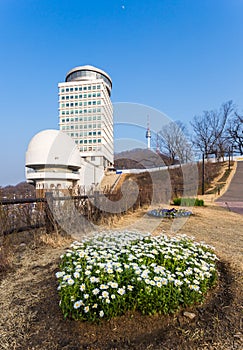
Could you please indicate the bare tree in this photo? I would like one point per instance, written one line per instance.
(172, 141)
(208, 129)
(235, 132)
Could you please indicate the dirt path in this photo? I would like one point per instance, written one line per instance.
(233, 197)
(31, 319)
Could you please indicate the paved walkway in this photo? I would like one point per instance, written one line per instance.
(233, 197)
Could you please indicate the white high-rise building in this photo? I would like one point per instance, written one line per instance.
(86, 113)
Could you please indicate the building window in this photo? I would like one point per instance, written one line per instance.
(92, 158)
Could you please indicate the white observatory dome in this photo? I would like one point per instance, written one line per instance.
(52, 147)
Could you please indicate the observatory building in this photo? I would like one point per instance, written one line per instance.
(52, 161)
(78, 154)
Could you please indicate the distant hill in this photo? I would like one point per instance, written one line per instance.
(21, 190)
(140, 158)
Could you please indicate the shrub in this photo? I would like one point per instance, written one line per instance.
(188, 202)
(114, 272)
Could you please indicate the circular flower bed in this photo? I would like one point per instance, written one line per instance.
(169, 213)
(114, 272)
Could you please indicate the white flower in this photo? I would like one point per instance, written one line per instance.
(59, 274)
(113, 296)
(95, 306)
(101, 313)
(105, 294)
(95, 291)
(129, 287)
(114, 285)
(103, 286)
(93, 279)
(76, 274)
(66, 277)
(77, 304)
(178, 283)
(121, 291)
(86, 309)
(194, 287)
(82, 287)
(70, 281)
(86, 296)
(164, 281)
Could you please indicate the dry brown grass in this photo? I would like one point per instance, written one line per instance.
(31, 319)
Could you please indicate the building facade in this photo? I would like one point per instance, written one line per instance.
(86, 114)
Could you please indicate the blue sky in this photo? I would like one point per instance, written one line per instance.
(177, 56)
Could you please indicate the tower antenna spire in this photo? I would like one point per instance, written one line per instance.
(148, 133)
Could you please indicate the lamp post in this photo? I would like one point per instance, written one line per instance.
(203, 171)
(229, 159)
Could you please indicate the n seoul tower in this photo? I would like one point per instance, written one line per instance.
(148, 134)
